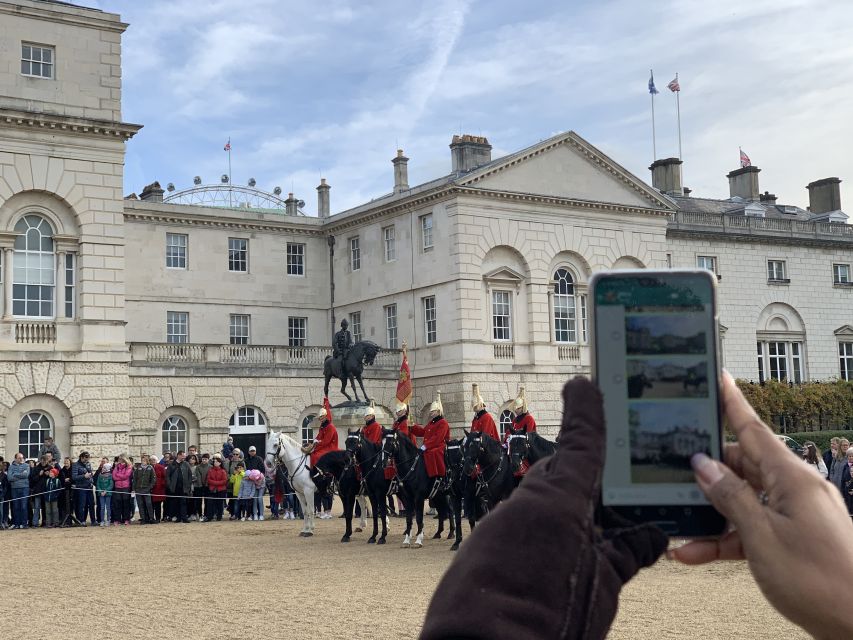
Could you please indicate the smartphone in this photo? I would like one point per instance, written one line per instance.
(656, 362)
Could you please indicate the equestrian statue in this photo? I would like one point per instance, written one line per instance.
(347, 362)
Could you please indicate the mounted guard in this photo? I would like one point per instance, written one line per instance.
(326, 440)
(483, 421)
(435, 436)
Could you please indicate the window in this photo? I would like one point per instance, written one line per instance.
(506, 420)
(174, 434)
(238, 255)
(776, 271)
(391, 325)
(177, 327)
(295, 259)
(669, 261)
(32, 430)
(389, 237)
(778, 360)
(354, 254)
(247, 420)
(501, 315)
(307, 430)
(34, 270)
(426, 232)
(297, 332)
(355, 325)
(69, 285)
(238, 331)
(582, 301)
(36, 61)
(707, 262)
(430, 328)
(176, 251)
(841, 274)
(565, 321)
(845, 354)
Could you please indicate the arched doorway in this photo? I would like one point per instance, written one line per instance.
(249, 427)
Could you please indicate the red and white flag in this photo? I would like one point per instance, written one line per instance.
(228, 145)
(673, 85)
(744, 160)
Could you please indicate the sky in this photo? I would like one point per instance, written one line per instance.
(332, 89)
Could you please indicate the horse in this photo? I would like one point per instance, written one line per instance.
(527, 447)
(488, 465)
(454, 459)
(360, 354)
(342, 467)
(368, 456)
(284, 448)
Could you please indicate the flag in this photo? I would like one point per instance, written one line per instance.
(744, 160)
(673, 85)
(228, 145)
(652, 89)
(328, 407)
(404, 384)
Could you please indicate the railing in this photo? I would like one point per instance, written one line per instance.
(246, 354)
(504, 351)
(568, 352)
(35, 333)
(176, 353)
(741, 224)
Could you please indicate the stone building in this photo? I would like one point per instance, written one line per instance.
(172, 318)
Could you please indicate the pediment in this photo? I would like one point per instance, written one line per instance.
(504, 275)
(845, 330)
(566, 166)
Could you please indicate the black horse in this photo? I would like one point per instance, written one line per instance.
(369, 457)
(342, 467)
(362, 353)
(454, 460)
(528, 447)
(488, 467)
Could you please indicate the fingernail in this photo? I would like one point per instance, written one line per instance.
(706, 469)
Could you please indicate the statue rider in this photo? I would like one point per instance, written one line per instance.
(341, 344)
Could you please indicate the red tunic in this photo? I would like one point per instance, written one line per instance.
(523, 421)
(373, 431)
(484, 423)
(402, 426)
(435, 435)
(327, 440)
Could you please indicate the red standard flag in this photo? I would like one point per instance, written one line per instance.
(744, 160)
(673, 85)
(404, 384)
(328, 407)
(228, 145)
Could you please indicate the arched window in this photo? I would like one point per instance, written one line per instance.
(34, 428)
(307, 429)
(34, 273)
(506, 420)
(174, 434)
(247, 420)
(565, 311)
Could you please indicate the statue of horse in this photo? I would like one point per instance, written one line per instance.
(360, 355)
(526, 449)
(488, 467)
(289, 452)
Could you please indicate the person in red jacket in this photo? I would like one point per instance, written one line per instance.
(401, 426)
(435, 436)
(158, 493)
(523, 420)
(217, 481)
(372, 430)
(483, 421)
(325, 441)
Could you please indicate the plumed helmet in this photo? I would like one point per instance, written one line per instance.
(371, 410)
(436, 404)
(521, 401)
(326, 411)
(401, 406)
(477, 401)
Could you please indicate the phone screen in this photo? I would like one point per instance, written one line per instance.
(656, 365)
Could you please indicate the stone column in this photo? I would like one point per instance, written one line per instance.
(8, 255)
(59, 285)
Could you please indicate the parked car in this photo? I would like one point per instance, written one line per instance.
(795, 447)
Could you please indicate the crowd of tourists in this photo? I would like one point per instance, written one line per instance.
(181, 486)
(836, 465)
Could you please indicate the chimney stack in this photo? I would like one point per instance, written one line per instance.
(152, 192)
(824, 195)
(767, 198)
(401, 172)
(743, 183)
(323, 203)
(666, 176)
(469, 152)
(290, 205)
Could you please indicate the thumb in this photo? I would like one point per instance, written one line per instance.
(633, 548)
(730, 494)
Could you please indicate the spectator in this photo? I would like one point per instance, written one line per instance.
(203, 468)
(95, 476)
(19, 483)
(104, 486)
(829, 455)
(193, 502)
(81, 478)
(122, 480)
(260, 482)
(254, 461)
(158, 493)
(217, 482)
(192, 451)
(51, 502)
(144, 479)
(66, 498)
(51, 448)
(228, 448)
(839, 463)
(4, 494)
(245, 496)
(234, 482)
(847, 481)
(812, 457)
(38, 486)
(180, 484)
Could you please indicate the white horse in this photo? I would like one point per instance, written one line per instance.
(289, 451)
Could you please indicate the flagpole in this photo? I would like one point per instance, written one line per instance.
(229, 172)
(654, 135)
(678, 112)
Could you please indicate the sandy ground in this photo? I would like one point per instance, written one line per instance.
(260, 580)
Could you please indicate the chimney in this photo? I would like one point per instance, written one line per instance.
(666, 176)
(767, 198)
(290, 205)
(323, 204)
(824, 195)
(401, 172)
(743, 183)
(469, 152)
(152, 193)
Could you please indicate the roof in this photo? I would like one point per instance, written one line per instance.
(736, 206)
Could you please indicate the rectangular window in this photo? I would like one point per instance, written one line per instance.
(778, 360)
(177, 327)
(391, 325)
(238, 255)
(776, 271)
(781, 361)
(430, 322)
(845, 354)
(707, 262)
(389, 238)
(796, 363)
(501, 315)
(295, 259)
(297, 332)
(582, 301)
(354, 254)
(176, 251)
(841, 274)
(33, 280)
(669, 261)
(238, 329)
(355, 325)
(37, 60)
(426, 232)
(565, 317)
(69, 285)
(760, 362)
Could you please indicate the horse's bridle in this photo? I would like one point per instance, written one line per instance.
(526, 439)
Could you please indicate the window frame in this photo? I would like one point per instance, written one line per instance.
(294, 340)
(34, 260)
(836, 279)
(355, 324)
(785, 364)
(171, 321)
(394, 341)
(427, 233)
(43, 433)
(845, 360)
(248, 419)
(307, 421)
(700, 260)
(354, 253)
(235, 339)
(496, 293)
(31, 60)
(70, 287)
(174, 444)
(185, 247)
(389, 243)
(565, 302)
(430, 319)
(294, 250)
(773, 276)
(235, 260)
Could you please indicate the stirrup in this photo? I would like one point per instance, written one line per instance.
(393, 488)
(435, 487)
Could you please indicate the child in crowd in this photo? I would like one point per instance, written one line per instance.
(228, 448)
(234, 483)
(53, 486)
(217, 481)
(104, 486)
(245, 495)
(257, 507)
